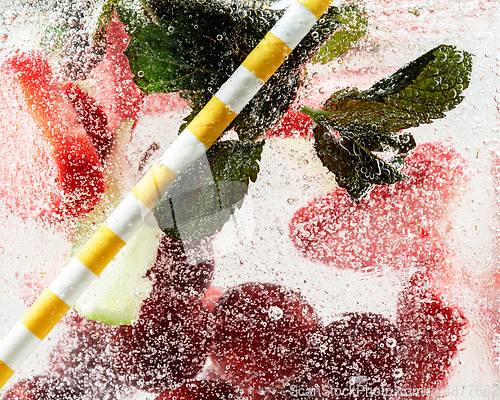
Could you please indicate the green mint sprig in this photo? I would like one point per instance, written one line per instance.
(205, 196)
(355, 125)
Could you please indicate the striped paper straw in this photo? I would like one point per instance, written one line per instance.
(191, 144)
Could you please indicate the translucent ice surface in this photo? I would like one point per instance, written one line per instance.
(258, 245)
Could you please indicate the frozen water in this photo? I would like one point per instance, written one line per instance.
(256, 246)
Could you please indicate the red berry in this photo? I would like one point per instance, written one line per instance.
(80, 358)
(432, 331)
(93, 119)
(293, 124)
(173, 268)
(396, 226)
(201, 390)
(296, 389)
(210, 297)
(42, 388)
(360, 355)
(48, 165)
(262, 334)
(168, 344)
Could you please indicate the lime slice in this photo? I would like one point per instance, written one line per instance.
(116, 296)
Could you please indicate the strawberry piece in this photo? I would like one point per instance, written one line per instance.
(293, 124)
(262, 334)
(48, 166)
(201, 390)
(93, 119)
(167, 345)
(113, 87)
(160, 103)
(432, 331)
(359, 356)
(396, 226)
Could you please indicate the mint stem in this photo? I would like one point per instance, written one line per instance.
(316, 115)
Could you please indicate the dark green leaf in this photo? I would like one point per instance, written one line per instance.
(369, 122)
(354, 26)
(203, 198)
(414, 95)
(172, 57)
(356, 167)
(195, 48)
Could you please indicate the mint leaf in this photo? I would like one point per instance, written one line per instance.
(202, 199)
(356, 166)
(196, 46)
(369, 121)
(414, 95)
(354, 26)
(237, 10)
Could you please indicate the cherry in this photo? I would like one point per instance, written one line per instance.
(80, 358)
(42, 388)
(201, 390)
(432, 332)
(361, 354)
(262, 334)
(174, 269)
(168, 344)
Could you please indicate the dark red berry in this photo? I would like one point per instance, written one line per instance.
(42, 388)
(262, 334)
(201, 390)
(183, 266)
(168, 344)
(359, 356)
(432, 332)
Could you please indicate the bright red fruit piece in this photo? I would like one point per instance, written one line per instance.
(93, 119)
(432, 332)
(113, 87)
(395, 226)
(201, 390)
(262, 334)
(293, 124)
(48, 165)
(168, 344)
(361, 355)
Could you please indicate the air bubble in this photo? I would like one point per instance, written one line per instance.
(391, 343)
(398, 373)
(140, 74)
(275, 313)
(459, 57)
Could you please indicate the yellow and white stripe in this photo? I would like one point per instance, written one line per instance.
(136, 208)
